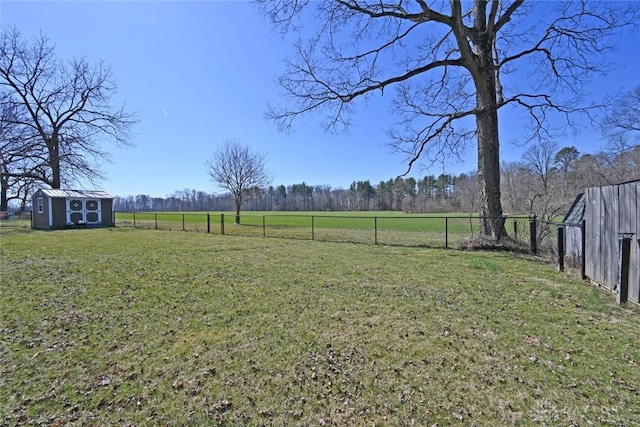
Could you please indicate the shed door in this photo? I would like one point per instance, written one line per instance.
(84, 210)
(92, 211)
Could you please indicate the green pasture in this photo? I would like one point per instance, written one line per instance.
(135, 327)
(396, 228)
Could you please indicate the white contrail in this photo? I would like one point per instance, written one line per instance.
(163, 110)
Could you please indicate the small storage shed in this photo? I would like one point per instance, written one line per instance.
(56, 209)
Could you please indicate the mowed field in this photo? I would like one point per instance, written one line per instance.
(352, 219)
(136, 327)
(391, 228)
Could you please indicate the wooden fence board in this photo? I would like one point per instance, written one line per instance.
(630, 222)
(612, 225)
(589, 235)
(590, 238)
(635, 260)
(594, 251)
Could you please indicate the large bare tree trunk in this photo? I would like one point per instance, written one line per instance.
(54, 161)
(491, 222)
(487, 94)
(3, 197)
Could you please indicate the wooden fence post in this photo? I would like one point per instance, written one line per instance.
(222, 224)
(375, 230)
(560, 228)
(533, 234)
(446, 232)
(623, 291)
(583, 269)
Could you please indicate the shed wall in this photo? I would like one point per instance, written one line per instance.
(40, 219)
(107, 213)
(59, 213)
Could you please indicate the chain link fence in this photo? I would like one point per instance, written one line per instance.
(418, 231)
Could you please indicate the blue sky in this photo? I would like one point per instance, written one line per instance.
(198, 72)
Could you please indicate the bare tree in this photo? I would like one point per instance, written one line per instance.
(621, 159)
(65, 105)
(565, 160)
(237, 169)
(515, 183)
(621, 126)
(452, 65)
(16, 148)
(467, 192)
(623, 121)
(592, 170)
(546, 200)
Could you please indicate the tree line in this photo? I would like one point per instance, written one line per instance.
(544, 182)
(401, 194)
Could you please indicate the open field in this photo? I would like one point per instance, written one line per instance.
(124, 326)
(390, 228)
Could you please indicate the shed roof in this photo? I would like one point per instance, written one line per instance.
(576, 213)
(88, 194)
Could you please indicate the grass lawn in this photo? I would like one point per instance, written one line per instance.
(124, 326)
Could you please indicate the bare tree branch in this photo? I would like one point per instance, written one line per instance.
(623, 119)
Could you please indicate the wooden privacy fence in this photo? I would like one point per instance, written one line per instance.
(601, 236)
(612, 250)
